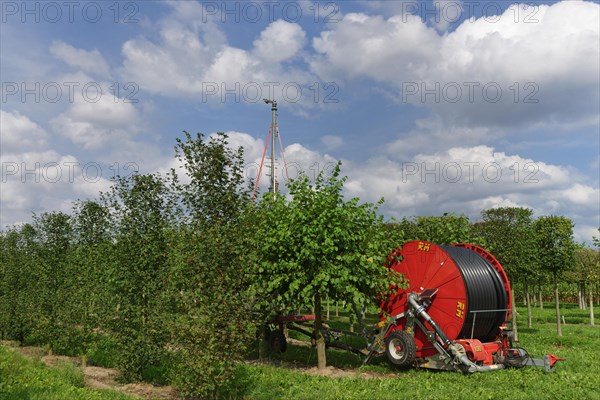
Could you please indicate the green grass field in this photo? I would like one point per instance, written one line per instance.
(576, 378)
(283, 378)
(29, 379)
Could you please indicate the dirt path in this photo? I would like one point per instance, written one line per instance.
(329, 371)
(105, 378)
(97, 377)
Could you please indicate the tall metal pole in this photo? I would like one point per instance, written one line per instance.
(273, 134)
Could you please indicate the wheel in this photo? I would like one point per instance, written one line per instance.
(400, 349)
(277, 342)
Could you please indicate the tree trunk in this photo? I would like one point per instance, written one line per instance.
(541, 299)
(529, 316)
(327, 308)
(591, 307)
(318, 332)
(337, 309)
(558, 326)
(514, 317)
(262, 344)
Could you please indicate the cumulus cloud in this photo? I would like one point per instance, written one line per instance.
(199, 61)
(89, 61)
(332, 141)
(470, 179)
(460, 179)
(502, 72)
(98, 119)
(19, 132)
(36, 177)
(279, 42)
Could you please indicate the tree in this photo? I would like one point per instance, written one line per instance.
(586, 271)
(443, 230)
(554, 235)
(53, 284)
(216, 172)
(91, 262)
(139, 209)
(509, 233)
(210, 250)
(18, 294)
(317, 244)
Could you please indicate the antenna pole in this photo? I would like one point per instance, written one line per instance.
(273, 134)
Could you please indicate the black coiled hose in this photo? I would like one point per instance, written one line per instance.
(485, 291)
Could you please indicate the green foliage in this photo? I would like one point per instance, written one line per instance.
(318, 244)
(216, 174)
(445, 229)
(509, 233)
(211, 322)
(209, 301)
(139, 208)
(18, 300)
(150, 279)
(554, 236)
(54, 236)
(586, 266)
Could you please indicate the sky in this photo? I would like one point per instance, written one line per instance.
(436, 106)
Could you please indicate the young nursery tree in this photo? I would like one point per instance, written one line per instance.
(509, 232)
(554, 236)
(210, 247)
(139, 209)
(317, 244)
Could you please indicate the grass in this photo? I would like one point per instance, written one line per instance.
(26, 379)
(576, 378)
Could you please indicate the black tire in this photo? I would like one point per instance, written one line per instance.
(400, 349)
(277, 342)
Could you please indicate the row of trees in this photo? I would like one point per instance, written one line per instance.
(180, 270)
(155, 267)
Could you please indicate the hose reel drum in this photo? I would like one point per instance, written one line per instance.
(453, 314)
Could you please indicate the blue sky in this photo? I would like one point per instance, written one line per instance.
(438, 106)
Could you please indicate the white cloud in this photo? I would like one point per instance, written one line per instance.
(279, 42)
(19, 132)
(460, 179)
(332, 141)
(98, 120)
(447, 12)
(582, 195)
(468, 76)
(470, 179)
(38, 178)
(199, 62)
(88, 61)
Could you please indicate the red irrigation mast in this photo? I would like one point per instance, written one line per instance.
(271, 137)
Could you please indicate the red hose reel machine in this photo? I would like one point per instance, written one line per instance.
(454, 313)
